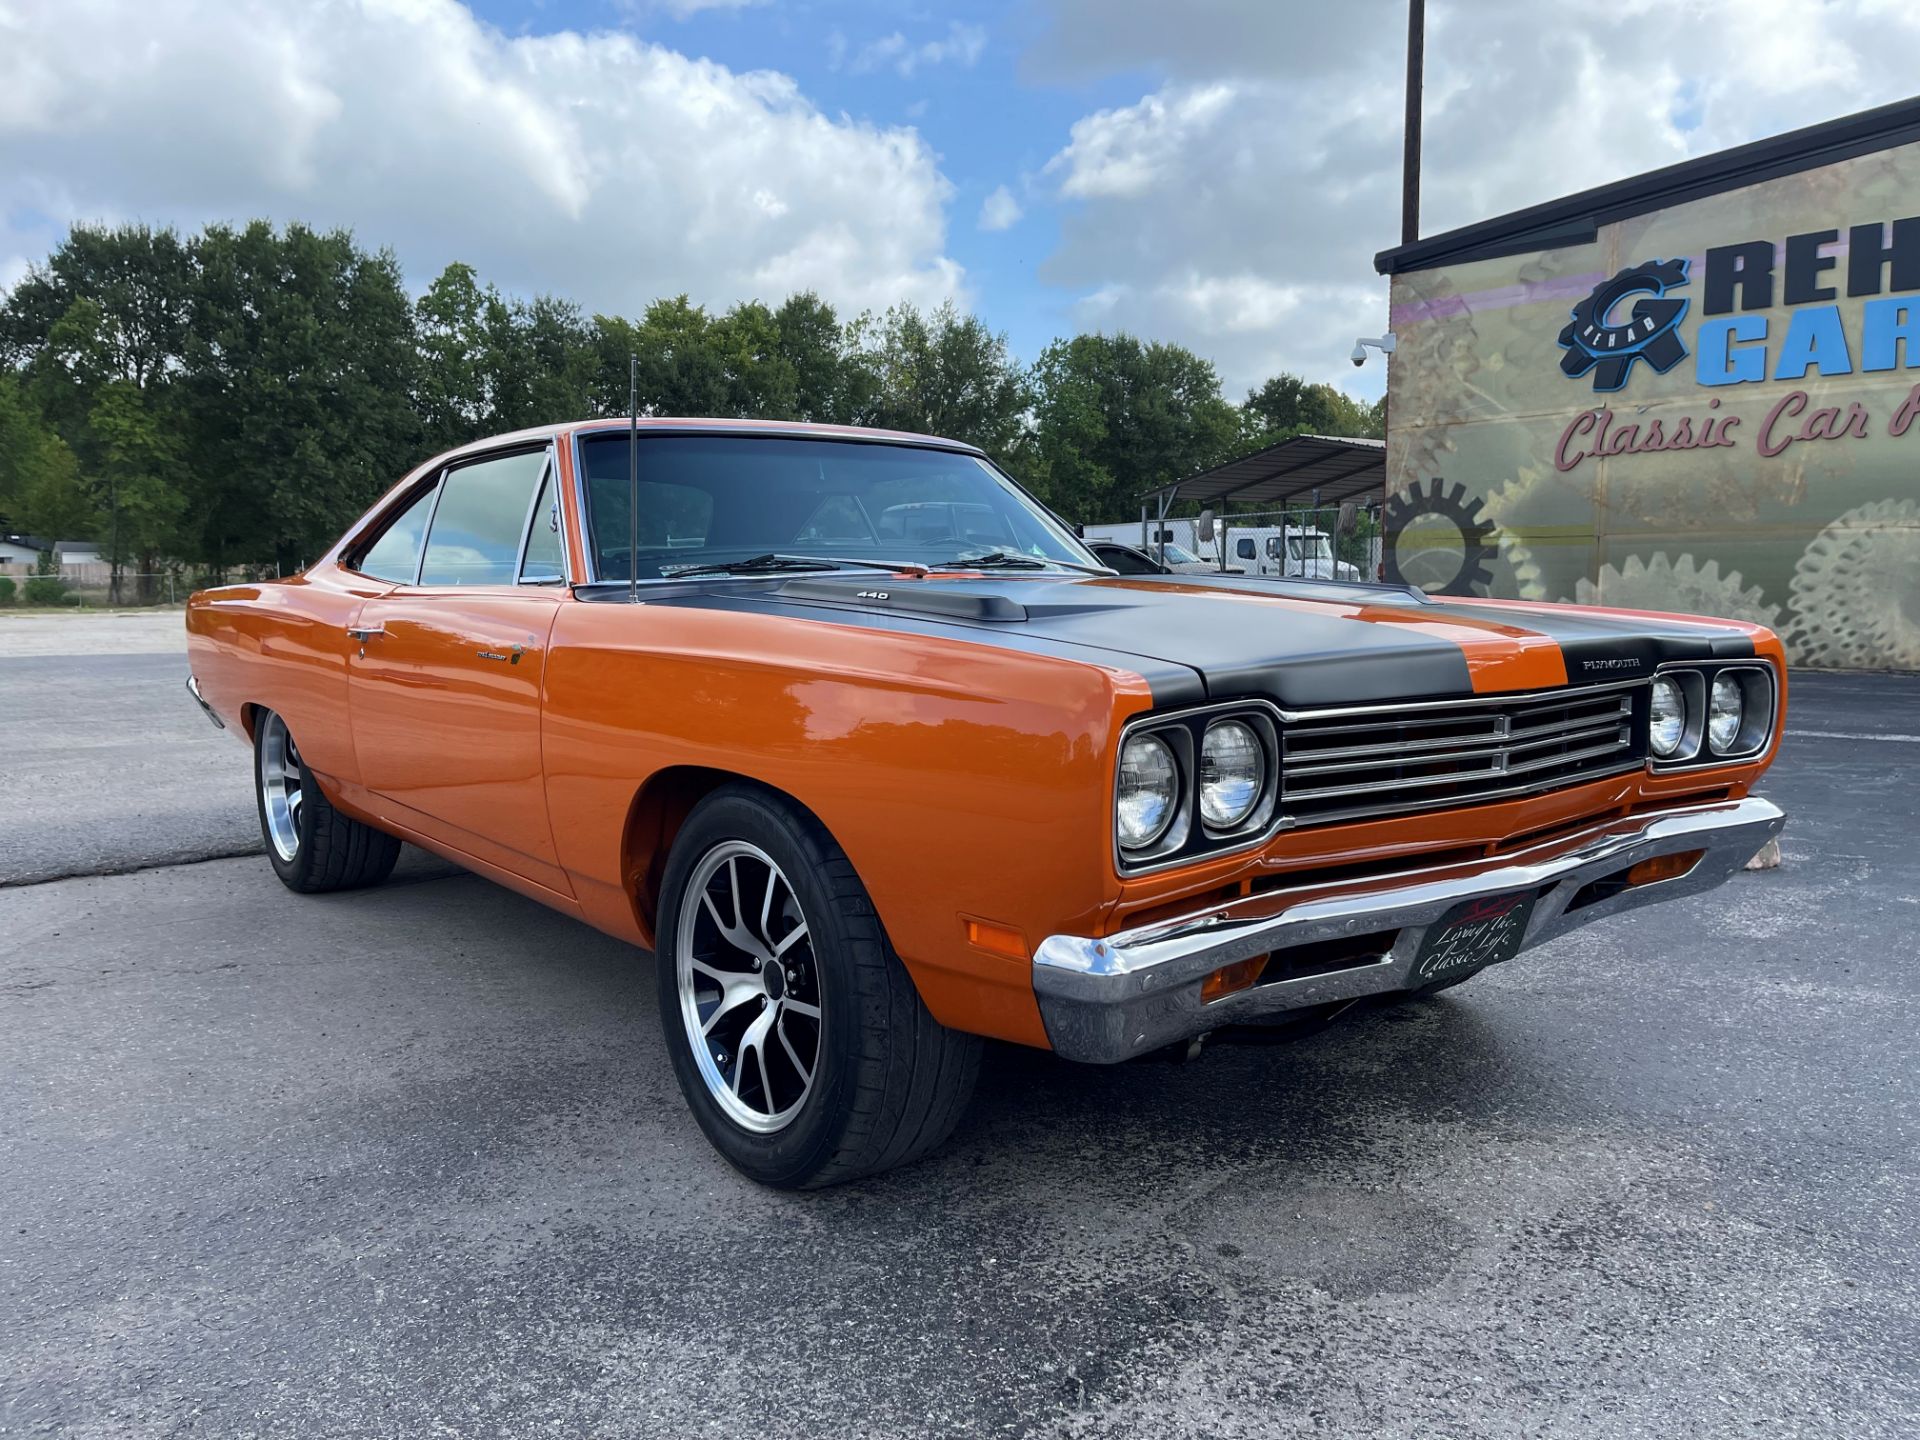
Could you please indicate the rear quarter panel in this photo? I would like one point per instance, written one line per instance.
(282, 644)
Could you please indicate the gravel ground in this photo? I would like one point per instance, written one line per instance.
(411, 1161)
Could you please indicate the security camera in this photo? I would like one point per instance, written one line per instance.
(1385, 344)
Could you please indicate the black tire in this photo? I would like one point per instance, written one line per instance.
(330, 851)
(890, 1082)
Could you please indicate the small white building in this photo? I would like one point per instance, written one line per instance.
(17, 559)
(77, 554)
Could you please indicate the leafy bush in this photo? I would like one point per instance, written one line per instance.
(7, 587)
(46, 590)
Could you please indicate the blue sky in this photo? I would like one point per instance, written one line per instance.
(988, 126)
(1213, 172)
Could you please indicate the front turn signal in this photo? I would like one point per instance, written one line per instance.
(1663, 867)
(1229, 978)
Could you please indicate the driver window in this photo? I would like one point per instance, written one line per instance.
(543, 563)
(475, 538)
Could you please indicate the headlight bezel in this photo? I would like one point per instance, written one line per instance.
(1760, 692)
(1189, 838)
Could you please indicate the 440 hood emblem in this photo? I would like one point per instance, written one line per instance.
(1598, 340)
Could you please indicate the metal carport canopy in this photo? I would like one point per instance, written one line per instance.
(1339, 468)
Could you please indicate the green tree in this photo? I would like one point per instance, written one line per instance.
(299, 374)
(1114, 417)
(454, 398)
(831, 385)
(941, 373)
(1285, 405)
(40, 489)
(137, 483)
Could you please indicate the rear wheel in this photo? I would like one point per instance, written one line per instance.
(796, 1034)
(311, 846)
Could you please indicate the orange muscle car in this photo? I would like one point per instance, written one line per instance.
(878, 760)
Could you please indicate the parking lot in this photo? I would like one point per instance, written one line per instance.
(411, 1161)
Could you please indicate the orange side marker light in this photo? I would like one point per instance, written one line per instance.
(1229, 978)
(1663, 867)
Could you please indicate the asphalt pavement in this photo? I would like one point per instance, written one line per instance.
(411, 1161)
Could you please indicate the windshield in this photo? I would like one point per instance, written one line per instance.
(712, 499)
(1177, 555)
(1308, 547)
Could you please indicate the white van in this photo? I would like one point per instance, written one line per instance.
(1286, 550)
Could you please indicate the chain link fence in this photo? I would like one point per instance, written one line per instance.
(1330, 543)
(91, 585)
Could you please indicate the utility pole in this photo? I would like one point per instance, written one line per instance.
(1410, 164)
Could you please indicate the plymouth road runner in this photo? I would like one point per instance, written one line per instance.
(878, 760)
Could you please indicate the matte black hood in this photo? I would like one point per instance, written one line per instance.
(1299, 643)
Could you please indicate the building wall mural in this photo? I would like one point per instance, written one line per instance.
(1712, 409)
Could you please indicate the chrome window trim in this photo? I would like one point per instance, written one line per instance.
(426, 533)
(1702, 758)
(467, 462)
(549, 473)
(392, 513)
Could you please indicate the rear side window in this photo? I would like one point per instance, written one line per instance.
(476, 532)
(395, 556)
(1245, 549)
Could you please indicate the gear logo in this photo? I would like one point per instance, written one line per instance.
(1598, 340)
(1438, 540)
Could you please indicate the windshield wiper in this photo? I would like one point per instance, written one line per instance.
(759, 564)
(1014, 560)
(772, 564)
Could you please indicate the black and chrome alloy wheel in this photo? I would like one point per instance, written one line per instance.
(795, 1032)
(749, 988)
(311, 846)
(282, 786)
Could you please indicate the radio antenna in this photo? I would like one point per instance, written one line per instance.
(633, 479)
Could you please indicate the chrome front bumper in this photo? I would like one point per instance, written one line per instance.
(1126, 994)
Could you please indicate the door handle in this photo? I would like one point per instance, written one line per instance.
(364, 633)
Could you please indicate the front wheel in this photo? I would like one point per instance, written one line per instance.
(796, 1034)
(311, 846)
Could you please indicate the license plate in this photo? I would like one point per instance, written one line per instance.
(1472, 934)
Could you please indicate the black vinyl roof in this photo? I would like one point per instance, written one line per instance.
(1340, 468)
(1577, 219)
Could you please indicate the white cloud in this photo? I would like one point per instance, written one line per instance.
(681, 9)
(963, 46)
(1000, 211)
(597, 166)
(1123, 154)
(1237, 207)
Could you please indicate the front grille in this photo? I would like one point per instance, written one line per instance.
(1392, 759)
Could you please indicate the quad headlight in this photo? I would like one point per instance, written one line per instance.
(1195, 783)
(1668, 724)
(1708, 714)
(1148, 795)
(1233, 774)
(1726, 712)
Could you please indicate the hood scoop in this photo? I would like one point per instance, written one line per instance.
(958, 601)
